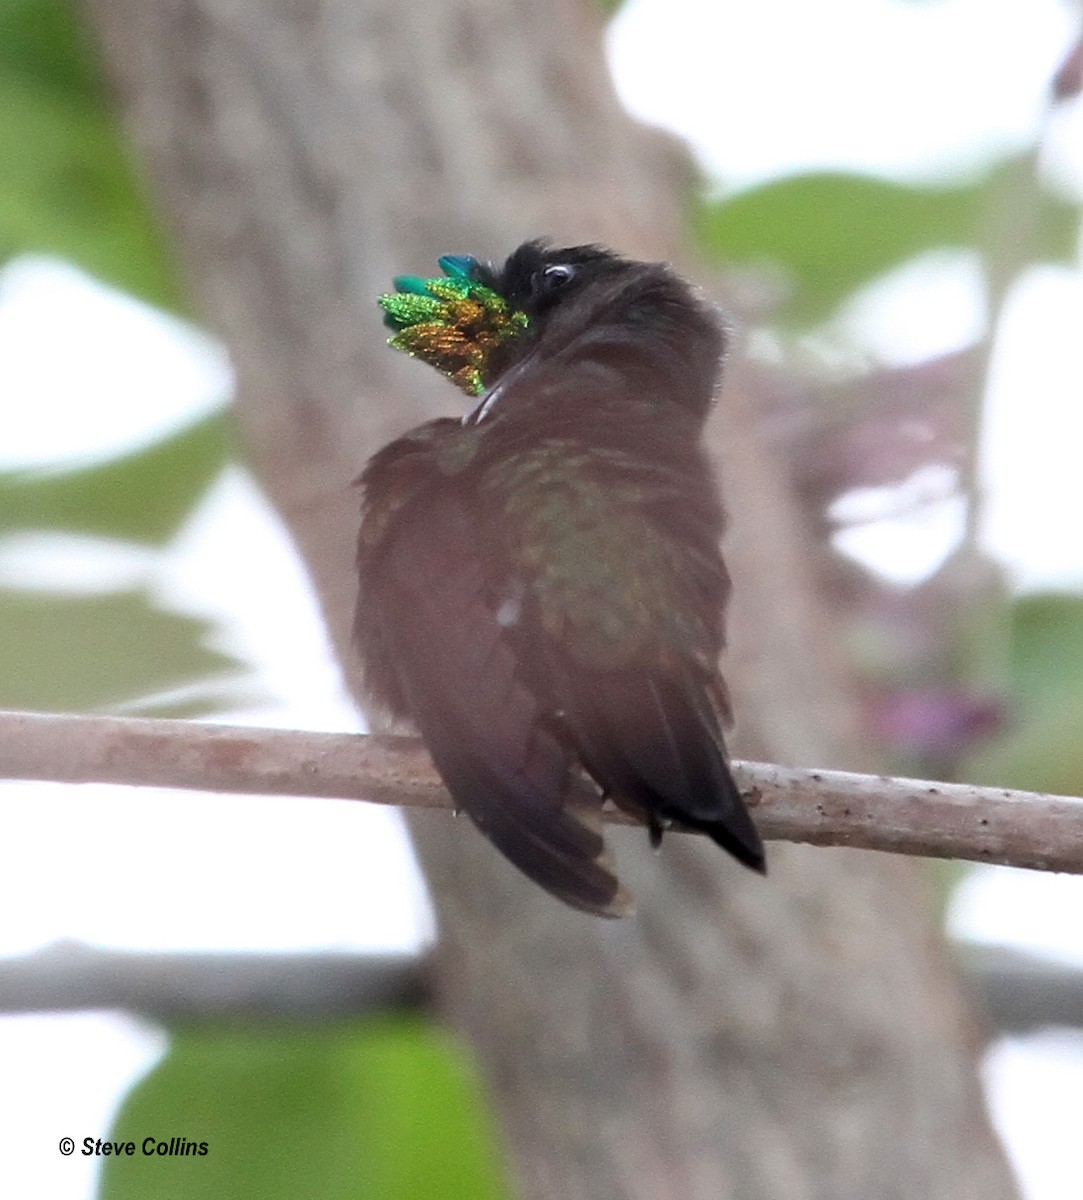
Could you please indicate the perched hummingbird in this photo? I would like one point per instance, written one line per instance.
(542, 588)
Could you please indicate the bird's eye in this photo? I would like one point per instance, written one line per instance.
(555, 277)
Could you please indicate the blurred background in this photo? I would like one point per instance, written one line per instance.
(903, 253)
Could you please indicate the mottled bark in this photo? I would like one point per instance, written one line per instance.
(799, 1037)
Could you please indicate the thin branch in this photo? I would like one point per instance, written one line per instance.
(315, 986)
(1020, 992)
(829, 808)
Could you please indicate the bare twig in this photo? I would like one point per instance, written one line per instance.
(313, 986)
(1019, 991)
(830, 808)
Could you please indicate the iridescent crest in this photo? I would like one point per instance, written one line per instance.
(453, 323)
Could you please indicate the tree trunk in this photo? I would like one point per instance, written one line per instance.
(795, 1037)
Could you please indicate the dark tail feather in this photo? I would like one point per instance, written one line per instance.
(580, 874)
(654, 744)
(736, 832)
(513, 781)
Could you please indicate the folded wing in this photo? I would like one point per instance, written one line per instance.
(428, 603)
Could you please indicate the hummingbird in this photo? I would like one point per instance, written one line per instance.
(541, 583)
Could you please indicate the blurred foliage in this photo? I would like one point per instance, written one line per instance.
(1042, 749)
(67, 653)
(68, 186)
(61, 651)
(143, 496)
(383, 1110)
(833, 233)
(41, 41)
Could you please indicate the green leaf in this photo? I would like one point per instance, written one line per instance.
(142, 497)
(1042, 749)
(63, 653)
(68, 186)
(385, 1110)
(834, 232)
(1046, 647)
(43, 40)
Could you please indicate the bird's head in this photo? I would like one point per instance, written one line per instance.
(477, 320)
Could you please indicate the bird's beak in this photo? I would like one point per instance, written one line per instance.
(480, 411)
(489, 399)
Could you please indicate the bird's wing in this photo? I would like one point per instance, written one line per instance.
(429, 598)
(624, 586)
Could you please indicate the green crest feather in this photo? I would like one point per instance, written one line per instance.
(453, 323)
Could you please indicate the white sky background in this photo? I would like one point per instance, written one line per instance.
(918, 89)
